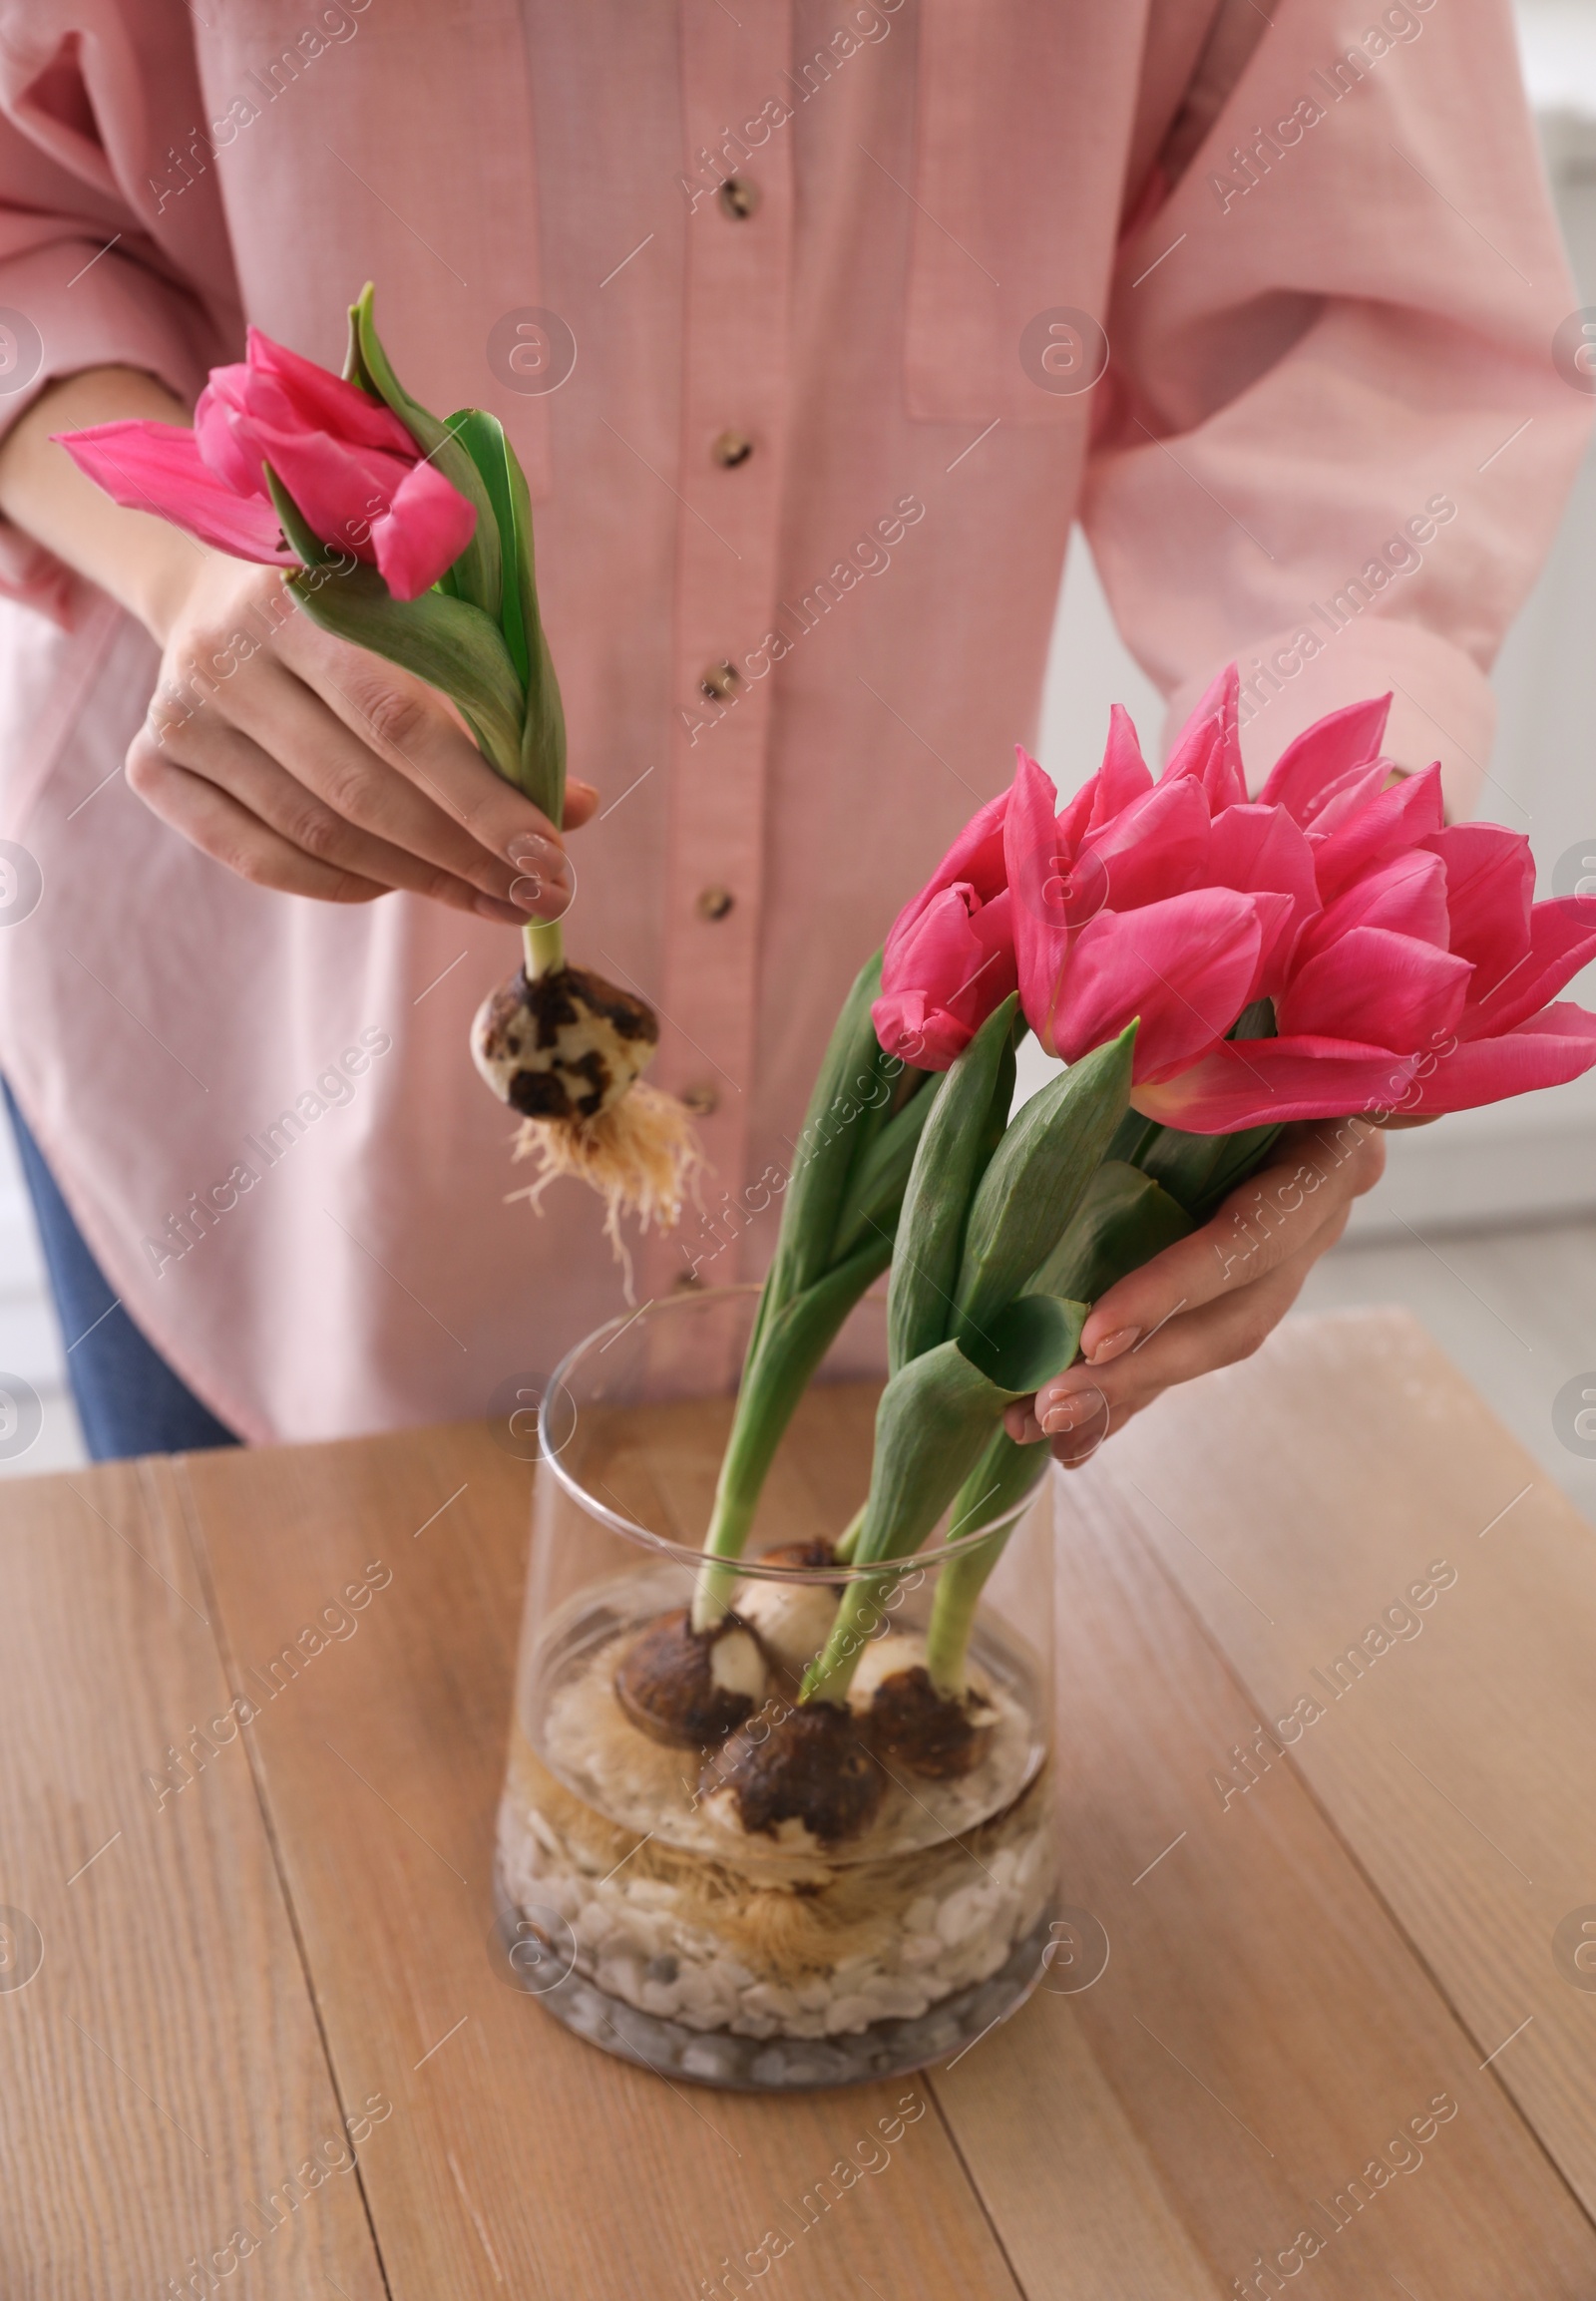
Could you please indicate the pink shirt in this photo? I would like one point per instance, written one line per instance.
(1332, 441)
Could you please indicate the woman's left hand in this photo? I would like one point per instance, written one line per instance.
(1210, 1298)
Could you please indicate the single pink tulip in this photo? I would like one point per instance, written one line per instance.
(356, 474)
(948, 959)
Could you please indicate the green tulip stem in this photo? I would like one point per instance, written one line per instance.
(545, 947)
(952, 1612)
(860, 1617)
(848, 1540)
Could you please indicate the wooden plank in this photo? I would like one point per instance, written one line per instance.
(1294, 1499)
(518, 2158)
(1265, 2027)
(1067, 2180)
(162, 2078)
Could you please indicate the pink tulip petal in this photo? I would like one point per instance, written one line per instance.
(1208, 747)
(1124, 775)
(1490, 884)
(1549, 1049)
(157, 468)
(1184, 967)
(1156, 847)
(1406, 897)
(1257, 848)
(976, 857)
(340, 490)
(946, 973)
(1324, 753)
(1277, 931)
(323, 400)
(1273, 1081)
(1401, 818)
(215, 428)
(1562, 940)
(1348, 796)
(1034, 856)
(1375, 987)
(425, 529)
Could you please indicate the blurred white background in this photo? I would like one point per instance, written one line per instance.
(1486, 1224)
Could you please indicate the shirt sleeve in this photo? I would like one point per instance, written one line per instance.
(109, 255)
(1339, 421)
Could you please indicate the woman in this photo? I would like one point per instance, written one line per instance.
(800, 318)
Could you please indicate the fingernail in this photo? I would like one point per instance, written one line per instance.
(531, 851)
(1115, 1344)
(545, 881)
(1068, 1414)
(574, 786)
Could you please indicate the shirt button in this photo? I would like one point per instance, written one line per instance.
(714, 902)
(718, 681)
(739, 196)
(731, 449)
(702, 1101)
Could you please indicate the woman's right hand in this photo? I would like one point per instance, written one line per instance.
(298, 760)
(310, 765)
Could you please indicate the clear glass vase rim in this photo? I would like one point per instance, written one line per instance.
(939, 1555)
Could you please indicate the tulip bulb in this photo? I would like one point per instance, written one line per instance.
(567, 1049)
(565, 1045)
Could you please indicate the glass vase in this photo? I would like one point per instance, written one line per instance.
(649, 1892)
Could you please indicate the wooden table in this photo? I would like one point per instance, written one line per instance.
(298, 1936)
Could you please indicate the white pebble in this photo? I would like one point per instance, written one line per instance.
(622, 1977)
(921, 1949)
(770, 1998)
(961, 1913)
(899, 2000)
(851, 2013)
(594, 1921)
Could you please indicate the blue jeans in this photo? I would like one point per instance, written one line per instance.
(129, 1399)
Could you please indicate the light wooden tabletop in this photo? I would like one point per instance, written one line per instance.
(206, 1989)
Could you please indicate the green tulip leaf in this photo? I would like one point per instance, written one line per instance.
(849, 1094)
(477, 571)
(1124, 1219)
(454, 648)
(878, 1178)
(1028, 1342)
(956, 1144)
(483, 438)
(1037, 1177)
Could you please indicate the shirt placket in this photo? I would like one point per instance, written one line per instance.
(737, 176)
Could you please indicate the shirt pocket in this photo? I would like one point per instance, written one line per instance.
(1023, 125)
